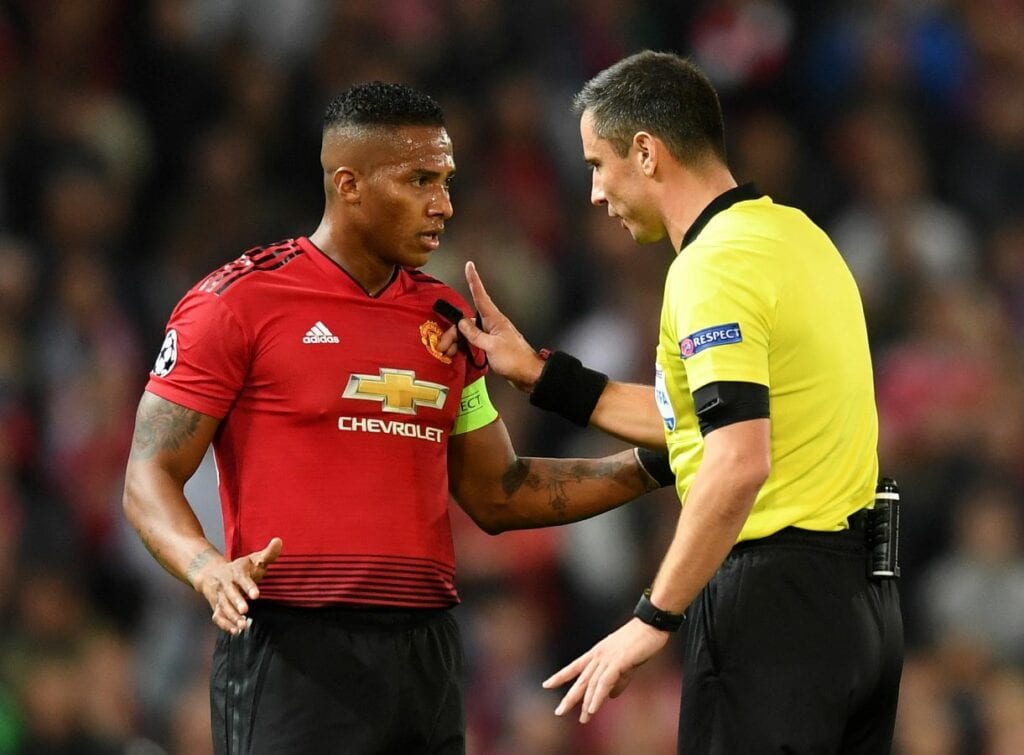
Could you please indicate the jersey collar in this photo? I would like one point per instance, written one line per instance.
(723, 201)
(336, 272)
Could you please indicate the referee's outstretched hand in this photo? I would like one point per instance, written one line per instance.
(606, 669)
(508, 353)
(227, 585)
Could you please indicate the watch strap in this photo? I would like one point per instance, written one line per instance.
(650, 614)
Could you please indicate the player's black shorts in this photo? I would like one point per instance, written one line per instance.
(791, 648)
(312, 681)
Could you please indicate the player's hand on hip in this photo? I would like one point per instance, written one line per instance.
(229, 585)
(606, 669)
(508, 352)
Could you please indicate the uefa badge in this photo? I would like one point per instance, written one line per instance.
(717, 335)
(168, 356)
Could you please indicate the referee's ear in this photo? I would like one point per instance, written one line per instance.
(648, 150)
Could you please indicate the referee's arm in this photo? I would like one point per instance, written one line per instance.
(628, 411)
(735, 464)
(624, 410)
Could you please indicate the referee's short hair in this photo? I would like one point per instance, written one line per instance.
(661, 93)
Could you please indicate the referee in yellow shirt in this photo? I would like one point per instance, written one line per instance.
(762, 415)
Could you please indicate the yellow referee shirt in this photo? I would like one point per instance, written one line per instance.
(759, 294)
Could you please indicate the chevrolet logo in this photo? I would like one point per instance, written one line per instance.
(398, 390)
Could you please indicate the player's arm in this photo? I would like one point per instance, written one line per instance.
(168, 444)
(503, 491)
(624, 410)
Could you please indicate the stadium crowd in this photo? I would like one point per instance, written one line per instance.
(143, 144)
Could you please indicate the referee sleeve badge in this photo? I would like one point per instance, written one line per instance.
(716, 335)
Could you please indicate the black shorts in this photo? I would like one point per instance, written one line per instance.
(792, 648)
(339, 681)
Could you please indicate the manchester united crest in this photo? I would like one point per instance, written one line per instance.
(430, 332)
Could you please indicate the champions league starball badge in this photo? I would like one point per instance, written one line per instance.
(168, 356)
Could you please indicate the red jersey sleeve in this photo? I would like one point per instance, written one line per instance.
(204, 358)
(476, 364)
(473, 371)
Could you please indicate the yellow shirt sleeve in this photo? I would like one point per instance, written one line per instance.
(723, 317)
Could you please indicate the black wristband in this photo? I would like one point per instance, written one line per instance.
(567, 387)
(656, 465)
(649, 613)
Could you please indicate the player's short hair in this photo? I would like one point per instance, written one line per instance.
(657, 92)
(380, 103)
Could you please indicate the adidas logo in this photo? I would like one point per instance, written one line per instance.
(320, 333)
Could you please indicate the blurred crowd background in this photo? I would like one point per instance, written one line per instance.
(143, 144)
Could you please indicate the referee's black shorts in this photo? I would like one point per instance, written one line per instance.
(791, 648)
(341, 681)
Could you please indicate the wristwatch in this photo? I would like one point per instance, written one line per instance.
(649, 613)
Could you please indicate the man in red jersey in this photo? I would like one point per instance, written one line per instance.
(340, 427)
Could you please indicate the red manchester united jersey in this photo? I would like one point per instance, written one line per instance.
(336, 412)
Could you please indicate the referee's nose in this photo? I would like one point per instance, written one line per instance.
(597, 197)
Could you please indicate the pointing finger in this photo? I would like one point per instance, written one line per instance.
(481, 299)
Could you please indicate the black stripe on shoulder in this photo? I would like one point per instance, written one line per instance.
(259, 258)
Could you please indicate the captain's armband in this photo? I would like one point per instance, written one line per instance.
(475, 408)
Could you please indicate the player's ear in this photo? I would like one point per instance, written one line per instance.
(347, 184)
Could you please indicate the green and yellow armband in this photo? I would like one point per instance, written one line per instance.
(475, 408)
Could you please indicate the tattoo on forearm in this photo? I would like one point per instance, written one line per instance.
(198, 563)
(518, 475)
(557, 477)
(162, 426)
(515, 476)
